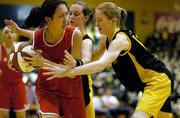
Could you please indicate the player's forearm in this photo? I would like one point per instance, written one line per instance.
(24, 32)
(89, 68)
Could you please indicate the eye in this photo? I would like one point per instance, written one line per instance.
(76, 13)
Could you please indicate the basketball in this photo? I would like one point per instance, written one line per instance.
(16, 57)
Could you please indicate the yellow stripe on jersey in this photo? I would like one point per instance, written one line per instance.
(138, 41)
(122, 33)
(145, 74)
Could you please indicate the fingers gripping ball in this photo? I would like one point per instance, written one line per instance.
(16, 57)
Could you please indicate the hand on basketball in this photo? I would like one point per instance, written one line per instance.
(34, 59)
(69, 60)
(12, 25)
(11, 66)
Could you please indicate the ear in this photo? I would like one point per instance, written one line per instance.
(86, 18)
(47, 19)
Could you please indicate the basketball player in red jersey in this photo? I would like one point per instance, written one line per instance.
(62, 95)
(12, 89)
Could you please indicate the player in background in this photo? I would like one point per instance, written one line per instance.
(79, 10)
(12, 88)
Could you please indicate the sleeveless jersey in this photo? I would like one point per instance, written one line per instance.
(64, 86)
(136, 66)
(9, 76)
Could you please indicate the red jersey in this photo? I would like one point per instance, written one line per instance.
(64, 86)
(9, 76)
(12, 89)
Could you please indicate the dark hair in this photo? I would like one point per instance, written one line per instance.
(37, 14)
(86, 11)
(34, 18)
(123, 17)
(111, 10)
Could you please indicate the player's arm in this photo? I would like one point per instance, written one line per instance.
(70, 59)
(100, 48)
(109, 56)
(15, 28)
(76, 50)
(86, 54)
(86, 50)
(38, 60)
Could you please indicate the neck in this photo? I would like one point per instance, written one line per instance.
(53, 35)
(81, 28)
(112, 33)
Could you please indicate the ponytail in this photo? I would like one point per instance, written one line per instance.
(35, 18)
(122, 18)
(37, 15)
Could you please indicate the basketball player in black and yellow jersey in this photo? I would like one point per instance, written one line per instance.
(135, 66)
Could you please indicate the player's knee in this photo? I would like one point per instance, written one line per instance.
(140, 114)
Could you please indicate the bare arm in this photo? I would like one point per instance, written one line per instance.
(77, 45)
(86, 50)
(70, 59)
(109, 56)
(15, 28)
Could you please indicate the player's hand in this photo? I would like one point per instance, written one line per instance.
(10, 66)
(55, 71)
(35, 59)
(69, 60)
(12, 25)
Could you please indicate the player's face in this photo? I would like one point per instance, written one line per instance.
(59, 18)
(102, 22)
(9, 36)
(76, 17)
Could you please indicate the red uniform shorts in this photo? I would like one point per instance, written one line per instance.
(58, 105)
(13, 96)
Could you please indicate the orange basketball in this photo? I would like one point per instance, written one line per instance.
(16, 57)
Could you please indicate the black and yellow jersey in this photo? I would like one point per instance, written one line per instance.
(86, 80)
(86, 36)
(136, 66)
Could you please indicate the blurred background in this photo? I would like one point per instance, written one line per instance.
(157, 24)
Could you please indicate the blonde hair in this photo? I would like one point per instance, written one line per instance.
(4, 29)
(111, 10)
